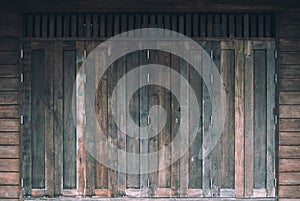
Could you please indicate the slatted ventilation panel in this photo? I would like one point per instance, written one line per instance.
(105, 25)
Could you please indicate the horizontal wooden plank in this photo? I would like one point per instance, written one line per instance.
(289, 178)
(8, 44)
(289, 191)
(9, 84)
(289, 58)
(289, 98)
(9, 191)
(9, 165)
(9, 30)
(9, 71)
(289, 165)
(287, 199)
(289, 71)
(293, 31)
(289, 151)
(292, 85)
(9, 111)
(289, 44)
(289, 18)
(9, 178)
(289, 125)
(9, 138)
(9, 57)
(289, 138)
(9, 152)
(9, 124)
(9, 17)
(285, 111)
(9, 98)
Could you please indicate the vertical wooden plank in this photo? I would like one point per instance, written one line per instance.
(206, 117)
(239, 25)
(109, 25)
(217, 26)
(203, 27)
(116, 24)
(51, 32)
(209, 25)
(246, 25)
(73, 25)
(59, 26)
(227, 138)
(239, 120)
(121, 139)
(175, 84)
(260, 121)
(80, 127)
(167, 23)
(58, 118)
(195, 156)
(131, 22)
(81, 25)
(132, 145)
(232, 26)
(26, 129)
(38, 118)
(153, 141)
(224, 25)
(253, 26)
(123, 23)
(88, 22)
(268, 25)
(30, 25)
(102, 25)
(37, 25)
(174, 22)
(184, 100)
(196, 24)
(270, 123)
(181, 23)
(261, 25)
(249, 124)
(101, 171)
(49, 147)
(69, 129)
(66, 26)
(95, 25)
(45, 27)
(112, 131)
(188, 25)
(144, 111)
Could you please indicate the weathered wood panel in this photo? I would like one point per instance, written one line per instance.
(289, 111)
(9, 57)
(9, 138)
(289, 44)
(289, 98)
(292, 178)
(289, 85)
(9, 151)
(9, 178)
(9, 111)
(7, 98)
(9, 71)
(289, 71)
(9, 165)
(9, 30)
(289, 58)
(9, 44)
(289, 191)
(9, 84)
(289, 165)
(293, 32)
(289, 138)
(289, 124)
(289, 151)
(9, 124)
(9, 191)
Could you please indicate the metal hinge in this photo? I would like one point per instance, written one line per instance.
(84, 78)
(148, 54)
(148, 119)
(148, 77)
(275, 54)
(275, 182)
(22, 78)
(22, 119)
(84, 54)
(275, 119)
(84, 120)
(148, 182)
(22, 183)
(211, 54)
(211, 120)
(211, 78)
(22, 53)
(276, 78)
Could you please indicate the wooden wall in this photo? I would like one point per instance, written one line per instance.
(9, 107)
(289, 106)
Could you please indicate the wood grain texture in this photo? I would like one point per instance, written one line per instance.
(9, 138)
(9, 125)
(289, 178)
(289, 85)
(289, 151)
(289, 125)
(9, 71)
(8, 178)
(289, 165)
(9, 98)
(289, 111)
(289, 138)
(9, 192)
(9, 84)
(9, 152)
(289, 98)
(289, 191)
(9, 165)
(289, 71)
(289, 44)
(11, 111)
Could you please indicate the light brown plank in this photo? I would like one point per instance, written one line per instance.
(289, 191)
(289, 125)
(289, 138)
(9, 178)
(289, 165)
(11, 111)
(292, 178)
(9, 165)
(8, 98)
(289, 85)
(289, 111)
(289, 151)
(9, 152)
(9, 191)
(9, 125)
(9, 138)
(289, 98)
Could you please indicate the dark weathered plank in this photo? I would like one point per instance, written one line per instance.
(260, 25)
(202, 25)
(44, 25)
(102, 25)
(9, 71)
(289, 191)
(289, 72)
(37, 26)
(9, 84)
(239, 25)
(246, 25)
(9, 30)
(88, 31)
(289, 151)
(289, 125)
(110, 25)
(9, 151)
(289, 165)
(9, 138)
(260, 120)
(59, 26)
(289, 178)
(9, 165)
(9, 178)
(51, 28)
(8, 44)
(9, 57)
(69, 130)
(66, 26)
(289, 44)
(227, 140)
(254, 27)
(293, 32)
(9, 191)
(38, 88)
(73, 21)
(9, 111)
(289, 138)
(9, 124)
(232, 26)
(289, 85)
(7, 17)
(289, 57)
(7, 98)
